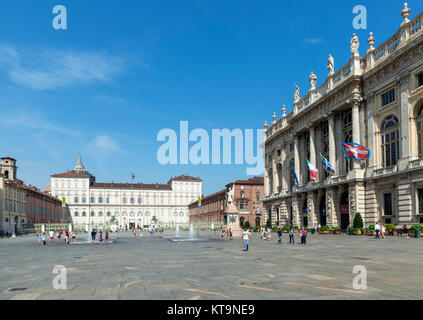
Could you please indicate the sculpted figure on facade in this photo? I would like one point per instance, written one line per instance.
(355, 44)
(313, 81)
(296, 94)
(331, 65)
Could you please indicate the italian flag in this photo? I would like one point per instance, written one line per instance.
(313, 170)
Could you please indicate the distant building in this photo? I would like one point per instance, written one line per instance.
(126, 204)
(21, 206)
(247, 196)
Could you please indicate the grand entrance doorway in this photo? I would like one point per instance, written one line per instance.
(345, 211)
(322, 210)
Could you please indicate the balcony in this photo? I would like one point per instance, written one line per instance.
(415, 164)
(385, 171)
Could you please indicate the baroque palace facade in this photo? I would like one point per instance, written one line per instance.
(376, 101)
(22, 206)
(131, 204)
(246, 195)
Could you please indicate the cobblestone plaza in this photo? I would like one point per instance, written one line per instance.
(157, 268)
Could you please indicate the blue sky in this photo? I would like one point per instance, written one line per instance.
(124, 70)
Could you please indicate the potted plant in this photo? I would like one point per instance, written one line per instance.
(358, 223)
(389, 228)
(324, 230)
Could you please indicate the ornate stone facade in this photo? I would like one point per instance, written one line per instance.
(127, 204)
(376, 101)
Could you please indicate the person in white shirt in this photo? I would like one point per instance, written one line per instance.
(245, 237)
(383, 230)
(51, 235)
(377, 229)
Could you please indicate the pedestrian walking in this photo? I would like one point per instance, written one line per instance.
(43, 238)
(383, 230)
(377, 229)
(107, 236)
(67, 236)
(245, 237)
(39, 237)
(291, 235)
(100, 237)
(134, 233)
(405, 231)
(93, 235)
(280, 235)
(303, 236)
(51, 235)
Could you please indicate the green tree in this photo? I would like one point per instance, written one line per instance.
(358, 221)
(269, 223)
(247, 225)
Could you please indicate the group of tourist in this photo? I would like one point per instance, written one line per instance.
(226, 235)
(265, 234)
(68, 237)
(101, 236)
(381, 230)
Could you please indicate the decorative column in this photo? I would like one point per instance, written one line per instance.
(283, 213)
(356, 127)
(332, 145)
(275, 177)
(296, 211)
(404, 123)
(283, 174)
(312, 218)
(297, 157)
(371, 129)
(331, 217)
(357, 199)
(312, 146)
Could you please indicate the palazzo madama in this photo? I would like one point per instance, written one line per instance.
(375, 100)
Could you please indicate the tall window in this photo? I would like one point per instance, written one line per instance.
(271, 181)
(420, 130)
(420, 80)
(387, 204)
(348, 136)
(390, 141)
(388, 97)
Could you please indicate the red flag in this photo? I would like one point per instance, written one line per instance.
(133, 176)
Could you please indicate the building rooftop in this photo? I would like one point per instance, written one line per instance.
(251, 181)
(71, 174)
(184, 178)
(139, 186)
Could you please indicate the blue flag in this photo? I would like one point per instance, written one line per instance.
(295, 175)
(327, 165)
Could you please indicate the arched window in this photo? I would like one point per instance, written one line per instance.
(420, 131)
(390, 141)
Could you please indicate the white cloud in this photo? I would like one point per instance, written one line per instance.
(313, 41)
(51, 68)
(105, 144)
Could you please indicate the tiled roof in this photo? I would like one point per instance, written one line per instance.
(21, 185)
(252, 181)
(141, 186)
(219, 193)
(10, 158)
(16, 183)
(71, 174)
(184, 178)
